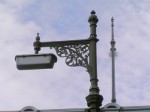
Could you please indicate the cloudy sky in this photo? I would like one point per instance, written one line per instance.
(63, 86)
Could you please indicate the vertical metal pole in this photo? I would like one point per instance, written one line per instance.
(113, 49)
(94, 99)
(93, 54)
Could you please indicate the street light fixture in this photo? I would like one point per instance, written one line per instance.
(36, 61)
(79, 53)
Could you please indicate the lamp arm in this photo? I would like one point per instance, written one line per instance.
(75, 51)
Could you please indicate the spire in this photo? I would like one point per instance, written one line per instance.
(113, 54)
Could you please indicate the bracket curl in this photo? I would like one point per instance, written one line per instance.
(75, 51)
(76, 55)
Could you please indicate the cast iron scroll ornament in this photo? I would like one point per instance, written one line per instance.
(75, 51)
(76, 55)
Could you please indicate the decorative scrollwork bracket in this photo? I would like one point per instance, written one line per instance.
(75, 51)
(76, 55)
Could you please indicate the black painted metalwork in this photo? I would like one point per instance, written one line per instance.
(75, 51)
(80, 53)
(76, 55)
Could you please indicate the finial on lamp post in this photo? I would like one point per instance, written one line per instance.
(93, 12)
(93, 21)
(36, 44)
(38, 37)
(93, 17)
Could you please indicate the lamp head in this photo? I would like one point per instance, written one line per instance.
(35, 61)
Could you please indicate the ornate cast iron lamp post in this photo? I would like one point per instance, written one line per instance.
(80, 53)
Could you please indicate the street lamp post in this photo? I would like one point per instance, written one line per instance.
(80, 53)
(94, 99)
